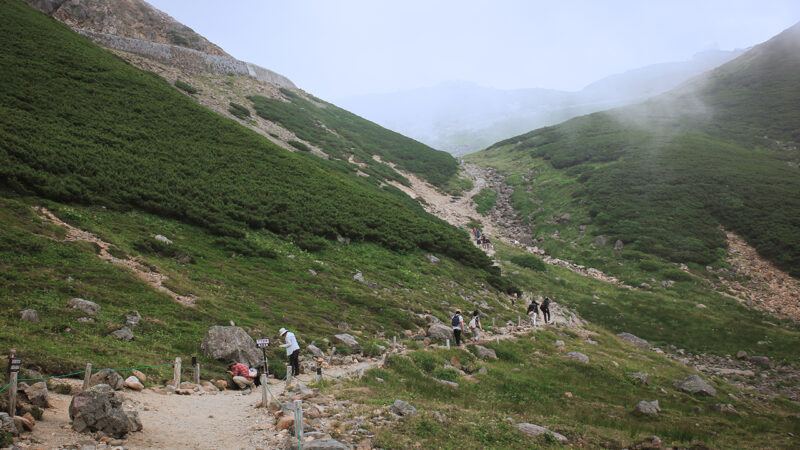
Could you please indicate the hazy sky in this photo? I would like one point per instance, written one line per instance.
(336, 48)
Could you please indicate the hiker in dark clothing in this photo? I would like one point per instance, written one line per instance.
(546, 309)
(458, 327)
(533, 310)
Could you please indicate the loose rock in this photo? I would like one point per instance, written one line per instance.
(37, 394)
(123, 334)
(485, 353)
(440, 331)
(577, 356)
(637, 341)
(348, 341)
(647, 408)
(532, 430)
(99, 408)
(133, 383)
(402, 408)
(108, 377)
(642, 377)
(30, 315)
(87, 307)
(695, 385)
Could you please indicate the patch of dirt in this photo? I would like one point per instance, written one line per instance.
(143, 271)
(760, 284)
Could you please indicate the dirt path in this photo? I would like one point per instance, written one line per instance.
(141, 270)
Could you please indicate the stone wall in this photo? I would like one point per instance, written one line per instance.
(188, 59)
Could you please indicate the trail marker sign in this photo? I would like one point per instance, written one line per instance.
(14, 364)
(262, 343)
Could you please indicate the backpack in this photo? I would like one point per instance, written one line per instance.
(456, 321)
(474, 322)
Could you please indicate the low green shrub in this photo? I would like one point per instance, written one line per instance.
(529, 261)
(299, 145)
(63, 389)
(676, 275)
(186, 87)
(239, 110)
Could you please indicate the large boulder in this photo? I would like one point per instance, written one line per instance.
(529, 429)
(402, 408)
(646, 408)
(37, 394)
(85, 306)
(108, 377)
(637, 341)
(231, 343)
(695, 385)
(346, 340)
(133, 383)
(440, 331)
(485, 353)
(30, 315)
(99, 408)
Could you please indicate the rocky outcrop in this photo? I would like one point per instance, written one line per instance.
(402, 408)
(123, 334)
(347, 341)
(440, 332)
(646, 408)
(38, 395)
(637, 341)
(695, 385)
(188, 59)
(485, 353)
(99, 408)
(231, 343)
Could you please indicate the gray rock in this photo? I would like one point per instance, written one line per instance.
(577, 356)
(132, 319)
(637, 341)
(85, 319)
(485, 353)
(320, 444)
(359, 277)
(37, 394)
(483, 370)
(108, 377)
(162, 238)
(724, 407)
(642, 377)
(99, 408)
(347, 341)
(123, 334)
(618, 245)
(559, 343)
(87, 307)
(231, 343)
(647, 408)
(440, 331)
(314, 350)
(30, 315)
(762, 361)
(402, 408)
(741, 354)
(601, 241)
(531, 430)
(695, 385)
(8, 425)
(432, 258)
(448, 383)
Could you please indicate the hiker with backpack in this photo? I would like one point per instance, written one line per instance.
(533, 310)
(292, 350)
(546, 309)
(458, 325)
(475, 326)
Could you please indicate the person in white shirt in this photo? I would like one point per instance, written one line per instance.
(292, 350)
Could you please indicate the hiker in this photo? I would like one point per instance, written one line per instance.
(475, 326)
(241, 375)
(487, 243)
(533, 309)
(458, 325)
(546, 309)
(292, 349)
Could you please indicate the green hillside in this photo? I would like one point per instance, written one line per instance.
(78, 124)
(664, 175)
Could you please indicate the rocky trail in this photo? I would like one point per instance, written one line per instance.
(500, 223)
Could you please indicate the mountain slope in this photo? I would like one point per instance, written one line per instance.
(297, 121)
(663, 175)
(78, 124)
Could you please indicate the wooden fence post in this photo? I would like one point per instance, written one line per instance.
(197, 373)
(177, 373)
(288, 374)
(87, 376)
(299, 405)
(330, 355)
(12, 395)
(264, 396)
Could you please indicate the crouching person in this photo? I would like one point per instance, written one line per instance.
(241, 375)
